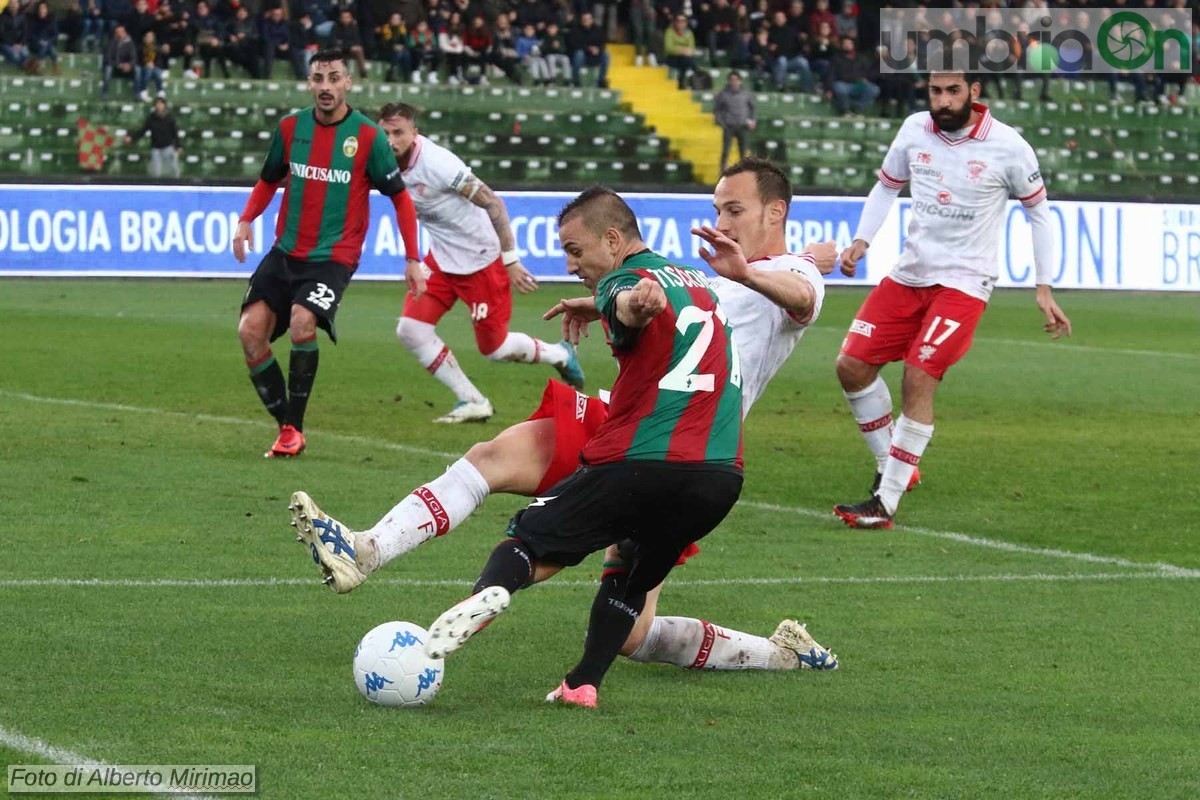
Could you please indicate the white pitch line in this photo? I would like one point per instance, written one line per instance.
(961, 538)
(58, 755)
(996, 544)
(232, 583)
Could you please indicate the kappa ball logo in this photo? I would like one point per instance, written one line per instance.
(944, 198)
(350, 146)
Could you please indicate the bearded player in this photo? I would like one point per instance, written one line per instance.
(964, 165)
(328, 157)
(473, 258)
(770, 301)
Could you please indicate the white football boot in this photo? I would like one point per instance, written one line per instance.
(451, 630)
(468, 411)
(333, 546)
(791, 635)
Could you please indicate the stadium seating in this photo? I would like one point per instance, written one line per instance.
(526, 137)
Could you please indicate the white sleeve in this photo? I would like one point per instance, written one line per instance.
(1025, 183)
(448, 170)
(806, 267)
(875, 211)
(895, 172)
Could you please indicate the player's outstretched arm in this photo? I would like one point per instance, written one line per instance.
(576, 313)
(875, 211)
(482, 195)
(786, 289)
(637, 306)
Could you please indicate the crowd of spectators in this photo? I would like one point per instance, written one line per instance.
(825, 47)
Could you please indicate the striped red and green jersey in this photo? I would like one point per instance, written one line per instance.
(330, 170)
(678, 395)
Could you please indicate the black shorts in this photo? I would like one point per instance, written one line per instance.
(282, 281)
(661, 507)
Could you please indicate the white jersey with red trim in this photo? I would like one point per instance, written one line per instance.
(961, 183)
(461, 235)
(764, 333)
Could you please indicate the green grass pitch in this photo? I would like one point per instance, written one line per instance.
(1030, 628)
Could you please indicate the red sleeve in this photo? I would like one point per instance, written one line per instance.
(406, 218)
(260, 198)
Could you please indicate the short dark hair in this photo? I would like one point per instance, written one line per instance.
(399, 110)
(968, 77)
(771, 181)
(602, 209)
(328, 55)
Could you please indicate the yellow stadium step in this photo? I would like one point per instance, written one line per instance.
(673, 113)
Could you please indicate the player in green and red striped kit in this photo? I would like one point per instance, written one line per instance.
(328, 157)
(661, 471)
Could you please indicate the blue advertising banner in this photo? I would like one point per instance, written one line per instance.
(142, 231)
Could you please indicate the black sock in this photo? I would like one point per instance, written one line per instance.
(267, 378)
(302, 372)
(510, 566)
(613, 617)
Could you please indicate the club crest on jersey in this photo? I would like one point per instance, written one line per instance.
(350, 146)
(944, 198)
(417, 188)
(924, 158)
(975, 170)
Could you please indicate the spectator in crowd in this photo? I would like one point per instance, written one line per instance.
(722, 28)
(821, 51)
(393, 48)
(537, 13)
(785, 51)
(641, 27)
(733, 110)
(276, 40)
(120, 61)
(13, 36)
(587, 46)
(762, 59)
(423, 44)
(900, 88)
(164, 141)
(529, 50)
(847, 21)
(819, 14)
(70, 24)
(679, 45)
(451, 48)
(504, 49)
(140, 20)
(302, 38)
(347, 37)
(761, 15)
(41, 36)
(152, 67)
(740, 56)
(95, 26)
(849, 81)
(477, 45)
(209, 38)
(554, 50)
(174, 34)
(117, 12)
(242, 44)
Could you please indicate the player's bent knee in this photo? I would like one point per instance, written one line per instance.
(494, 347)
(855, 375)
(414, 333)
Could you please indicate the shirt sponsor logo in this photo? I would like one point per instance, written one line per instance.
(862, 328)
(944, 198)
(975, 170)
(945, 212)
(324, 174)
(350, 146)
(928, 172)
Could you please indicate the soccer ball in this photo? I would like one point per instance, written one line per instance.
(392, 669)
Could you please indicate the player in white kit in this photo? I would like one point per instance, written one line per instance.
(771, 297)
(473, 257)
(963, 166)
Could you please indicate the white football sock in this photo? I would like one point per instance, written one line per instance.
(435, 356)
(527, 350)
(696, 644)
(872, 409)
(908, 444)
(433, 509)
